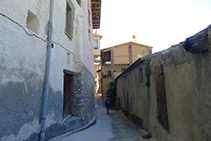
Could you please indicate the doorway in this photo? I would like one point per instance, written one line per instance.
(68, 93)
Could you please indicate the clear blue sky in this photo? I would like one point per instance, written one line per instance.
(157, 23)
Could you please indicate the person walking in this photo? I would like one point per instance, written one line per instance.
(107, 104)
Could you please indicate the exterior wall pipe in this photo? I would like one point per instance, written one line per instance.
(47, 71)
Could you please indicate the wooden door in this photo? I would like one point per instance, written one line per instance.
(67, 101)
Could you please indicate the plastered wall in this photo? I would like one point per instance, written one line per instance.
(22, 65)
(185, 96)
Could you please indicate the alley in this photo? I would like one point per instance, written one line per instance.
(112, 127)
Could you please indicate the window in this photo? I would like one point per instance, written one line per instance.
(107, 62)
(79, 2)
(89, 29)
(141, 79)
(150, 51)
(161, 97)
(69, 21)
(68, 58)
(89, 20)
(109, 72)
(95, 44)
(32, 22)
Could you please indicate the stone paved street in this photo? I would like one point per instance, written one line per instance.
(112, 127)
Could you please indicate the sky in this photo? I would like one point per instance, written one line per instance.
(156, 23)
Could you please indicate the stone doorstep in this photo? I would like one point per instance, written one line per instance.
(91, 123)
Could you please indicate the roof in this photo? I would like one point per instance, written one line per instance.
(109, 48)
(98, 70)
(96, 12)
(97, 35)
(136, 63)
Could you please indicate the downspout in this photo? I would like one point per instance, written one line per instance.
(47, 71)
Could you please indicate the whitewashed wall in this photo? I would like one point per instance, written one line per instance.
(22, 63)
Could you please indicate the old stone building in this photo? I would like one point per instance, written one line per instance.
(24, 49)
(168, 93)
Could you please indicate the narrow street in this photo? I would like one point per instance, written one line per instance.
(112, 127)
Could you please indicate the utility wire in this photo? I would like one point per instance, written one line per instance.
(40, 37)
(68, 51)
(23, 28)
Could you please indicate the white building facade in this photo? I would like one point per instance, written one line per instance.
(23, 52)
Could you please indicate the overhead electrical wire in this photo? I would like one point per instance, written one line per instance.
(40, 38)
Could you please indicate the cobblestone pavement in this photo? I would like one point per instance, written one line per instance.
(112, 127)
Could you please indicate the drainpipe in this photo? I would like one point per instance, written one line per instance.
(47, 71)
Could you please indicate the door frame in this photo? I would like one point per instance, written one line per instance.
(67, 92)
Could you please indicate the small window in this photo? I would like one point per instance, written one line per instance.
(109, 72)
(89, 20)
(68, 58)
(95, 44)
(150, 51)
(107, 62)
(89, 34)
(32, 22)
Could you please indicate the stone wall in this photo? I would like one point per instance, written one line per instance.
(83, 105)
(176, 105)
(83, 99)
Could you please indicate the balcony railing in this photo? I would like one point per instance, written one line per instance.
(107, 76)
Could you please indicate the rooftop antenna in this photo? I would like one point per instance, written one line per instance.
(134, 38)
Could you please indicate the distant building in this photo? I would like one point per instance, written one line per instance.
(23, 52)
(96, 51)
(115, 59)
